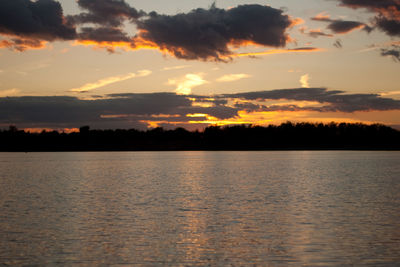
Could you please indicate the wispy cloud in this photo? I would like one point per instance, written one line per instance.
(304, 81)
(233, 77)
(184, 85)
(143, 73)
(10, 92)
(110, 80)
(279, 51)
(176, 67)
(315, 33)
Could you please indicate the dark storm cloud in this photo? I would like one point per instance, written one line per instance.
(387, 13)
(342, 26)
(41, 20)
(393, 52)
(105, 12)
(207, 33)
(331, 100)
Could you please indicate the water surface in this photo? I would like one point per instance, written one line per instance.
(200, 208)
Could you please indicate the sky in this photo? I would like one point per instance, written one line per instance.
(155, 63)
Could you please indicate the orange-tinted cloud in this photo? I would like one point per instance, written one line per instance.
(387, 13)
(19, 44)
(210, 34)
(137, 110)
(341, 26)
(206, 34)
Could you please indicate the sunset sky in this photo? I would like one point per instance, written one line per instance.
(139, 64)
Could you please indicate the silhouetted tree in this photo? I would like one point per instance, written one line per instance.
(238, 137)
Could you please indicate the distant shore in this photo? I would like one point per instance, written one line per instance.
(287, 136)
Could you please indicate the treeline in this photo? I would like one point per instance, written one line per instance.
(287, 136)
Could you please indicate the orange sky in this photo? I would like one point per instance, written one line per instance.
(322, 45)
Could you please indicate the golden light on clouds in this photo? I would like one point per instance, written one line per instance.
(233, 77)
(304, 81)
(21, 45)
(110, 46)
(185, 84)
(176, 67)
(196, 115)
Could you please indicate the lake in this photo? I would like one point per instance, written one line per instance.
(267, 208)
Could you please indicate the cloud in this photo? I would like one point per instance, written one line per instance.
(109, 80)
(202, 34)
(341, 26)
(279, 51)
(19, 44)
(233, 77)
(106, 21)
(184, 85)
(393, 52)
(387, 13)
(212, 34)
(314, 32)
(103, 34)
(142, 110)
(304, 81)
(144, 73)
(207, 34)
(338, 43)
(40, 20)
(114, 111)
(105, 12)
(332, 101)
(176, 67)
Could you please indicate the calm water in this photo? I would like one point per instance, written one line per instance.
(200, 208)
